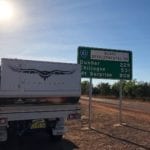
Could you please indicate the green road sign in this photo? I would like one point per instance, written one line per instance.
(105, 63)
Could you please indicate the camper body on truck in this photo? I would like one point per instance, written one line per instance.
(37, 94)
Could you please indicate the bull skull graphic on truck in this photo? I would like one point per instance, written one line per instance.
(43, 74)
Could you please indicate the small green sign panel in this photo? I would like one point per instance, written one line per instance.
(105, 63)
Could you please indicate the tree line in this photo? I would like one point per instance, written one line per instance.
(130, 89)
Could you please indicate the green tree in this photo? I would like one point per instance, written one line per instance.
(143, 90)
(104, 89)
(95, 91)
(129, 89)
(115, 89)
(85, 87)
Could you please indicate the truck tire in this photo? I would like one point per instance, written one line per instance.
(56, 138)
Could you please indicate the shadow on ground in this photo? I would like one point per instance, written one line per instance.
(136, 128)
(37, 141)
(121, 139)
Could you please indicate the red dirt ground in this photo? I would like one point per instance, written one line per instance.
(106, 134)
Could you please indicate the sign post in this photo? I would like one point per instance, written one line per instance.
(90, 102)
(120, 103)
(104, 63)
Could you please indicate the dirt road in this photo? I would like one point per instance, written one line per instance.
(127, 104)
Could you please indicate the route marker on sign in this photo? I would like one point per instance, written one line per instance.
(105, 63)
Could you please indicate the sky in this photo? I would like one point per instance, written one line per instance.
(53, 29)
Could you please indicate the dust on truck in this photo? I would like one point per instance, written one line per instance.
(37, 94)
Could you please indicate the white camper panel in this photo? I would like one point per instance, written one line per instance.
(37, 78)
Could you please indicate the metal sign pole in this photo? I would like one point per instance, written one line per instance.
(120, 103)
(90, 102)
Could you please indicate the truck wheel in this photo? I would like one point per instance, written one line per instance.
(56, 138)
(3, 144)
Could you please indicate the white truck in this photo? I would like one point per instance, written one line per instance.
(37, 94)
